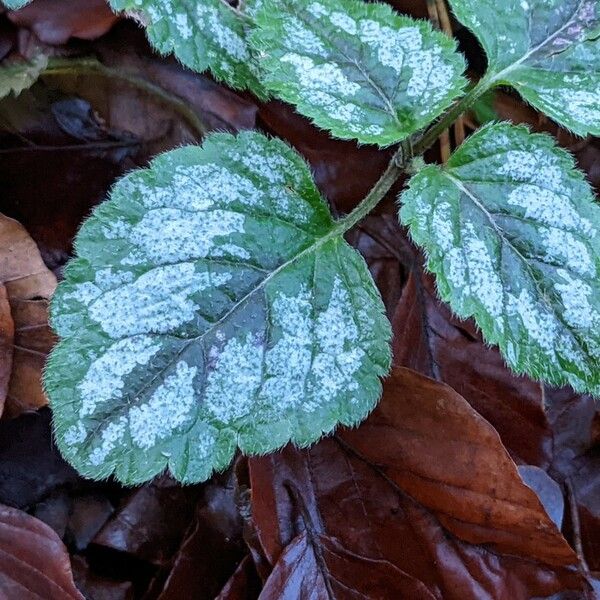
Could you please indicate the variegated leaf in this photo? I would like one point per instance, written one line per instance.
(549, 50)
(359, 70)
(213, 304)
(15, 4)
(207, 34)
(512, 232)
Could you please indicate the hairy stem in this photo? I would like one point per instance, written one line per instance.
(91, 66)
(404, 155)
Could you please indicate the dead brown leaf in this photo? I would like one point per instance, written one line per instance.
(29, 285)
(426, 485)
(7, 331)
(429, 339)
(56, 21)
(35, 563)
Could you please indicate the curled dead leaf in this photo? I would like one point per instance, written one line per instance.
(434, 446)
(35, 563)
(29, 284)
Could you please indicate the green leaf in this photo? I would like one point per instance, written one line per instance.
(214, 303)
(17, 75)
(512, 233)
(547, 49)
(15, 4)
(206, 34)
(484, 109)
(359, 70)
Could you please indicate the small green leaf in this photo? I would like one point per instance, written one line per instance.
(206, 34)
(17, 75)
(547, 49)
(214, 304)
(512, 232)
(359, 70)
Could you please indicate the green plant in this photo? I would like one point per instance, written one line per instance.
(214, 304)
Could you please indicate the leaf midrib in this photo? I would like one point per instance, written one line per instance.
(391, 110)
(336, 231)
(541, 296)
(498, 77)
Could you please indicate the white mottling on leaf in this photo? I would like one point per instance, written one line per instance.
(227, 39)
(105, 377)
(541, 326)
(183, 25)
(159, 301)
(233, 382)
(563, 247)
(338, 355)
(83, 292)
(547, 208)
(108, 278)
(288, 361)
(344, 22)
(111, 435)
(302, 38)
(167, 235)
(169, 408)
(484, 280)
(75, 435)
(576, 297)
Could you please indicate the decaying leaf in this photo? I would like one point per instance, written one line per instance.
(29, 285)
(35, 563)
(426, 485)
(56, 21)
(7, 332)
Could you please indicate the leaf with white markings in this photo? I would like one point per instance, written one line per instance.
(213, 304)
(512, 232)
(203, 35)
(17, 75)
(15, 4)
(359, 70)
(547, 49)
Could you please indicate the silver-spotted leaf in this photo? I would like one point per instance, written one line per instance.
(359, 70)
(512, 232)
(17, 75)
(549, 50)
(15, 4)
(213, 304)
(203, 34)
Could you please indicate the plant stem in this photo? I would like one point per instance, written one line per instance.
(91, 66)
(401, 159)
(380, 189)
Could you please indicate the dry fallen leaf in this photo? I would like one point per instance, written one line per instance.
(29, 285)
(429, 339)
(424, 484)
(35, 563)
(7, 331)
(55, 21)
